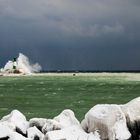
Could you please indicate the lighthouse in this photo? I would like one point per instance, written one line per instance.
(14, 64)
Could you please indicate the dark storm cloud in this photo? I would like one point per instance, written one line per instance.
(72, 34)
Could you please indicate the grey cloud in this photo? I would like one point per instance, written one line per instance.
(91, 17)
(93, 30)
(64, 33)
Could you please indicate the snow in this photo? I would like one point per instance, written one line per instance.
(121, 131)
(33, 132)
(17, 119)
(109, 120)
(51, 125)
(67, 118)
(132, 109)
(38, 122)
(71, 133)
(17, 136)
(4, 131)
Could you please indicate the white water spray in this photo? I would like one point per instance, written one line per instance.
(22, 65)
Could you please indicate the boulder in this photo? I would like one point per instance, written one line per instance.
(132, 114)
(4, 132)
(108, 120)
(17, 136)
(65, 119)
(34, 134)
(38, 122)
(71, 133)
(16, 120)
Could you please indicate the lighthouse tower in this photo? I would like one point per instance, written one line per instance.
(14, 64)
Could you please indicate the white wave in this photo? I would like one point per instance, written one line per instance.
(22, 65)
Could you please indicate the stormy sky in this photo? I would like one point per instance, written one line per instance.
(72, 34)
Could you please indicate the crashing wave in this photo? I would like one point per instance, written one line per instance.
(21, 65)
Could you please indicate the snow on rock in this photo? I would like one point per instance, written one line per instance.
(4, 131)
(10, 125)
(71, 133)
(38, 122)
(51, 125)
(104, 121)
(120, 129)
(33, 133)
(107, 120)
(67, 118)
(17, 136)
(18, 120)
(132, 114)
(132, 109)
(7, 134)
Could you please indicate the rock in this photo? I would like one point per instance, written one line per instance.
(132, 114)
(10, 125)
(4, 131)
(65, 119)
(51, 125)
(34, 134)
(17, 136)
(18, 120)
(104, 121)
(107, 120)
(38, 122)
(70, 133)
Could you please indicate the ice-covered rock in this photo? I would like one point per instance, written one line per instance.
(17, 136)
(107, 120)
(10, 125)
(16, 120)
(65, 119)
(120, 129)
(132, 114)
(7, 134)
(104, 121)
(34, 134)
(4, 131)
(71, 133)
(51, 125)
(38, 122)
(132, 109)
